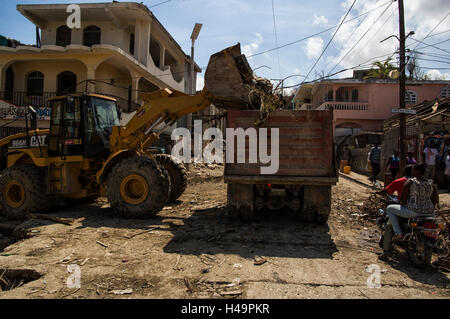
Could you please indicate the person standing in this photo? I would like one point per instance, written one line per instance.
(447, 170)
(375, 160)
(429, 155)
(346, 158)
(394, 165)
(410, 160)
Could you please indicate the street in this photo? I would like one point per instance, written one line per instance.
(192, 250)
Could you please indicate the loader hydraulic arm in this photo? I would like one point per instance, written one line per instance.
(164, 106)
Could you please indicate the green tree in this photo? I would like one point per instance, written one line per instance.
(380, 70)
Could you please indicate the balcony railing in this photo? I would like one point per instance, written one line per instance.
(25, 99)
(344, 106)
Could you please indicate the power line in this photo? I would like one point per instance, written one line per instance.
(361, 65)
(276, 37)
(158, 4)
(328, 44)
(431, 45)
(433, 29)
(318, 33)
(431, 60)
(368, 30)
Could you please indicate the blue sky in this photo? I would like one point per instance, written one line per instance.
(250, 22)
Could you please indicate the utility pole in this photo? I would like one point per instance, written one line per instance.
(402, 80)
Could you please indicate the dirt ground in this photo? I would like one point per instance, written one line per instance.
(192, 250)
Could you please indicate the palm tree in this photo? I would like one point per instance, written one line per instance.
(380, 70)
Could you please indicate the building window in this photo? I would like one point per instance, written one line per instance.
(410, 97)
(329, 96)
(35, 84)
(445, 92)
(63, 36)
(92, 35)
(9, 84)
(67, 83)
(355, 95)
(132, 44)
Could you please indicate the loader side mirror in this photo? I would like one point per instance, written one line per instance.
(33, 117)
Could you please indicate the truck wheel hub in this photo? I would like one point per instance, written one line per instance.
(14, 194)
(134, 189)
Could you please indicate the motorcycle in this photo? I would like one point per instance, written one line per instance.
(422, 235)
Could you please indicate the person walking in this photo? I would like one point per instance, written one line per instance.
(410, 160)
(394, 165)
(447, 170)
(375, 160)
(429, 155)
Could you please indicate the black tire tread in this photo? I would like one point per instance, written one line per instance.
(159, 187)
(178, 175)
(36, 199)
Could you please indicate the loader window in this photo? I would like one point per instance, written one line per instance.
(106, 113)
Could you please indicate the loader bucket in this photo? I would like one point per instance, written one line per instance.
(228, 77)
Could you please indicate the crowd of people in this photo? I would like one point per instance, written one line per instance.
(416, 188)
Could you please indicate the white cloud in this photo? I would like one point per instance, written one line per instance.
(421, 16)
(314, 47)
(250, 49)
(320, 20)
(437, 75)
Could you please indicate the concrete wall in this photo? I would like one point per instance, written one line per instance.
(50, 69)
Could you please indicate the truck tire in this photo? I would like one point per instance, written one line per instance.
(177, 174)
(138, 187)
(245, 213)
(22, 191)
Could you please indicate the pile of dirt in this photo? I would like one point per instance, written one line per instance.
(200, 172)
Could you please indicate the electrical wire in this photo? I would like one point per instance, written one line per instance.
(433, 29)
(276, 37)
(329, 42)
(365, 33)
(318, 33)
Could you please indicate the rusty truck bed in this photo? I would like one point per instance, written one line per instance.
(306, 148)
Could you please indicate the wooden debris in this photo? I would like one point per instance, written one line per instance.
(231, 293)
(259, 261)
(65, 221)
(101, 244)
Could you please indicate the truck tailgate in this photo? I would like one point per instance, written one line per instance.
(305, 146)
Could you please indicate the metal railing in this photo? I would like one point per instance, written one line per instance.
(344, 106)
(25, 99)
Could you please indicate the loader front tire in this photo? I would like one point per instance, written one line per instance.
(138, 187)
(177, 174)
(22, 191)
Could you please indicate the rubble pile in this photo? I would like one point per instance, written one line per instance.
(262, 98)
(374, 203)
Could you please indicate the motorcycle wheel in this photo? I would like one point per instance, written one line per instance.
(419, 252)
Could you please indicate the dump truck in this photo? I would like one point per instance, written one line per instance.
(306, 168)
(86, 153)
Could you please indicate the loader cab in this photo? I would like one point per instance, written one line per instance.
(81, 125)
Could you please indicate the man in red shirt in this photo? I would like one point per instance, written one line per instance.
(397, 185)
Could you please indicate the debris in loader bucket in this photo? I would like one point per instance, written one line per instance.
(231, 80)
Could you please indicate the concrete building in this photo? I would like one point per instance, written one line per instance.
(120, 50)
(361, 105)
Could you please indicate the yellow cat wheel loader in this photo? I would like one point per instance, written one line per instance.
(86, 153)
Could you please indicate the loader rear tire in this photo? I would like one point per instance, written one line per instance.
(177, 174)
(138, 187)
(22, 191)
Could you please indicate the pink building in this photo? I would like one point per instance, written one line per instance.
(362, 105)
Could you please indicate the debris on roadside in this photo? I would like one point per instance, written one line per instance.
(122, 292)
(259, 261)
